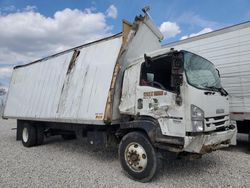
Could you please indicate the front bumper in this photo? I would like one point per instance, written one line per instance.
(206, 143)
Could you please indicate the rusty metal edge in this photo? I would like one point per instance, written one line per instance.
(126, 28)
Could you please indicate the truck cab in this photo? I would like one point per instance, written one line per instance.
(182, 93)
(175, 102)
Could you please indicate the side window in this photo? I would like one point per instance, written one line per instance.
(157, 74)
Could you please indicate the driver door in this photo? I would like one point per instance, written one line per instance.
(156, 98)
(153, 95)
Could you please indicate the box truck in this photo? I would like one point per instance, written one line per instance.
(124, 89)
(229, 50)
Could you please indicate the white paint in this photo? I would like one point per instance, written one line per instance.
(162, 111)
(143, 38)
(128, 98)
(194, 144)
(44, 91)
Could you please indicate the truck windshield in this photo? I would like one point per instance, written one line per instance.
(200, 72)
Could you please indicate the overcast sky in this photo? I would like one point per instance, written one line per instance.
(31, 29)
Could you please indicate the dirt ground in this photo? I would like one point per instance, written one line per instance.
(59, 163)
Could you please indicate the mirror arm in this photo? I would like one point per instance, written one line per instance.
(178, 98)
(148, 60)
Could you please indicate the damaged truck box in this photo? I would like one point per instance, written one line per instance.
(124, 89)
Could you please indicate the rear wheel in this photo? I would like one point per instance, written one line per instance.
(29, 135)
(138, 157)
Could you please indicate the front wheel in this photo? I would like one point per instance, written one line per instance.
(138, 157)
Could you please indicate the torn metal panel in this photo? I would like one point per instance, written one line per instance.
(126, 28)
(108, 110)
(70, 87)
(73, 61)
(207, 143)
(85, 86)
(128, 98)
(142, 38)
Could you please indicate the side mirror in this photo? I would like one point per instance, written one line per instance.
(150, 77)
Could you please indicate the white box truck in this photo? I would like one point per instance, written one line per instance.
(124, 89)
(229, 50)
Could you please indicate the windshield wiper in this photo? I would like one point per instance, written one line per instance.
(222, 91)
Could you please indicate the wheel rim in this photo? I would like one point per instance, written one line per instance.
(25, 134)
(136, 157)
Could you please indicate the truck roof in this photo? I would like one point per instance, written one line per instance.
(210, 34)
(71, 49)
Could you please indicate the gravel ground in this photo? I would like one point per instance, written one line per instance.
(60, 163)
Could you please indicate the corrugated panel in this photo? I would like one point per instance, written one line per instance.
(35, 90)
(230, 52)
(48, 90)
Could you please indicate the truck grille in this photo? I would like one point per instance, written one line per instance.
(219, 123)
(215, 118)
(212, 123)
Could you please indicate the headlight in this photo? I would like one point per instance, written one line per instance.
(197, 117)
(198, 126)
(196, 113)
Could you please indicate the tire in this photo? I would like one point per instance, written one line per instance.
(40, 135)
(137, 156)
(29, 137)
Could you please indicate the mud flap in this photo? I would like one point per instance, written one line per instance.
(97, 138)
(233, 140)
(19, 130)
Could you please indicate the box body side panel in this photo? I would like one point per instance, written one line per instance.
(58, 90)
